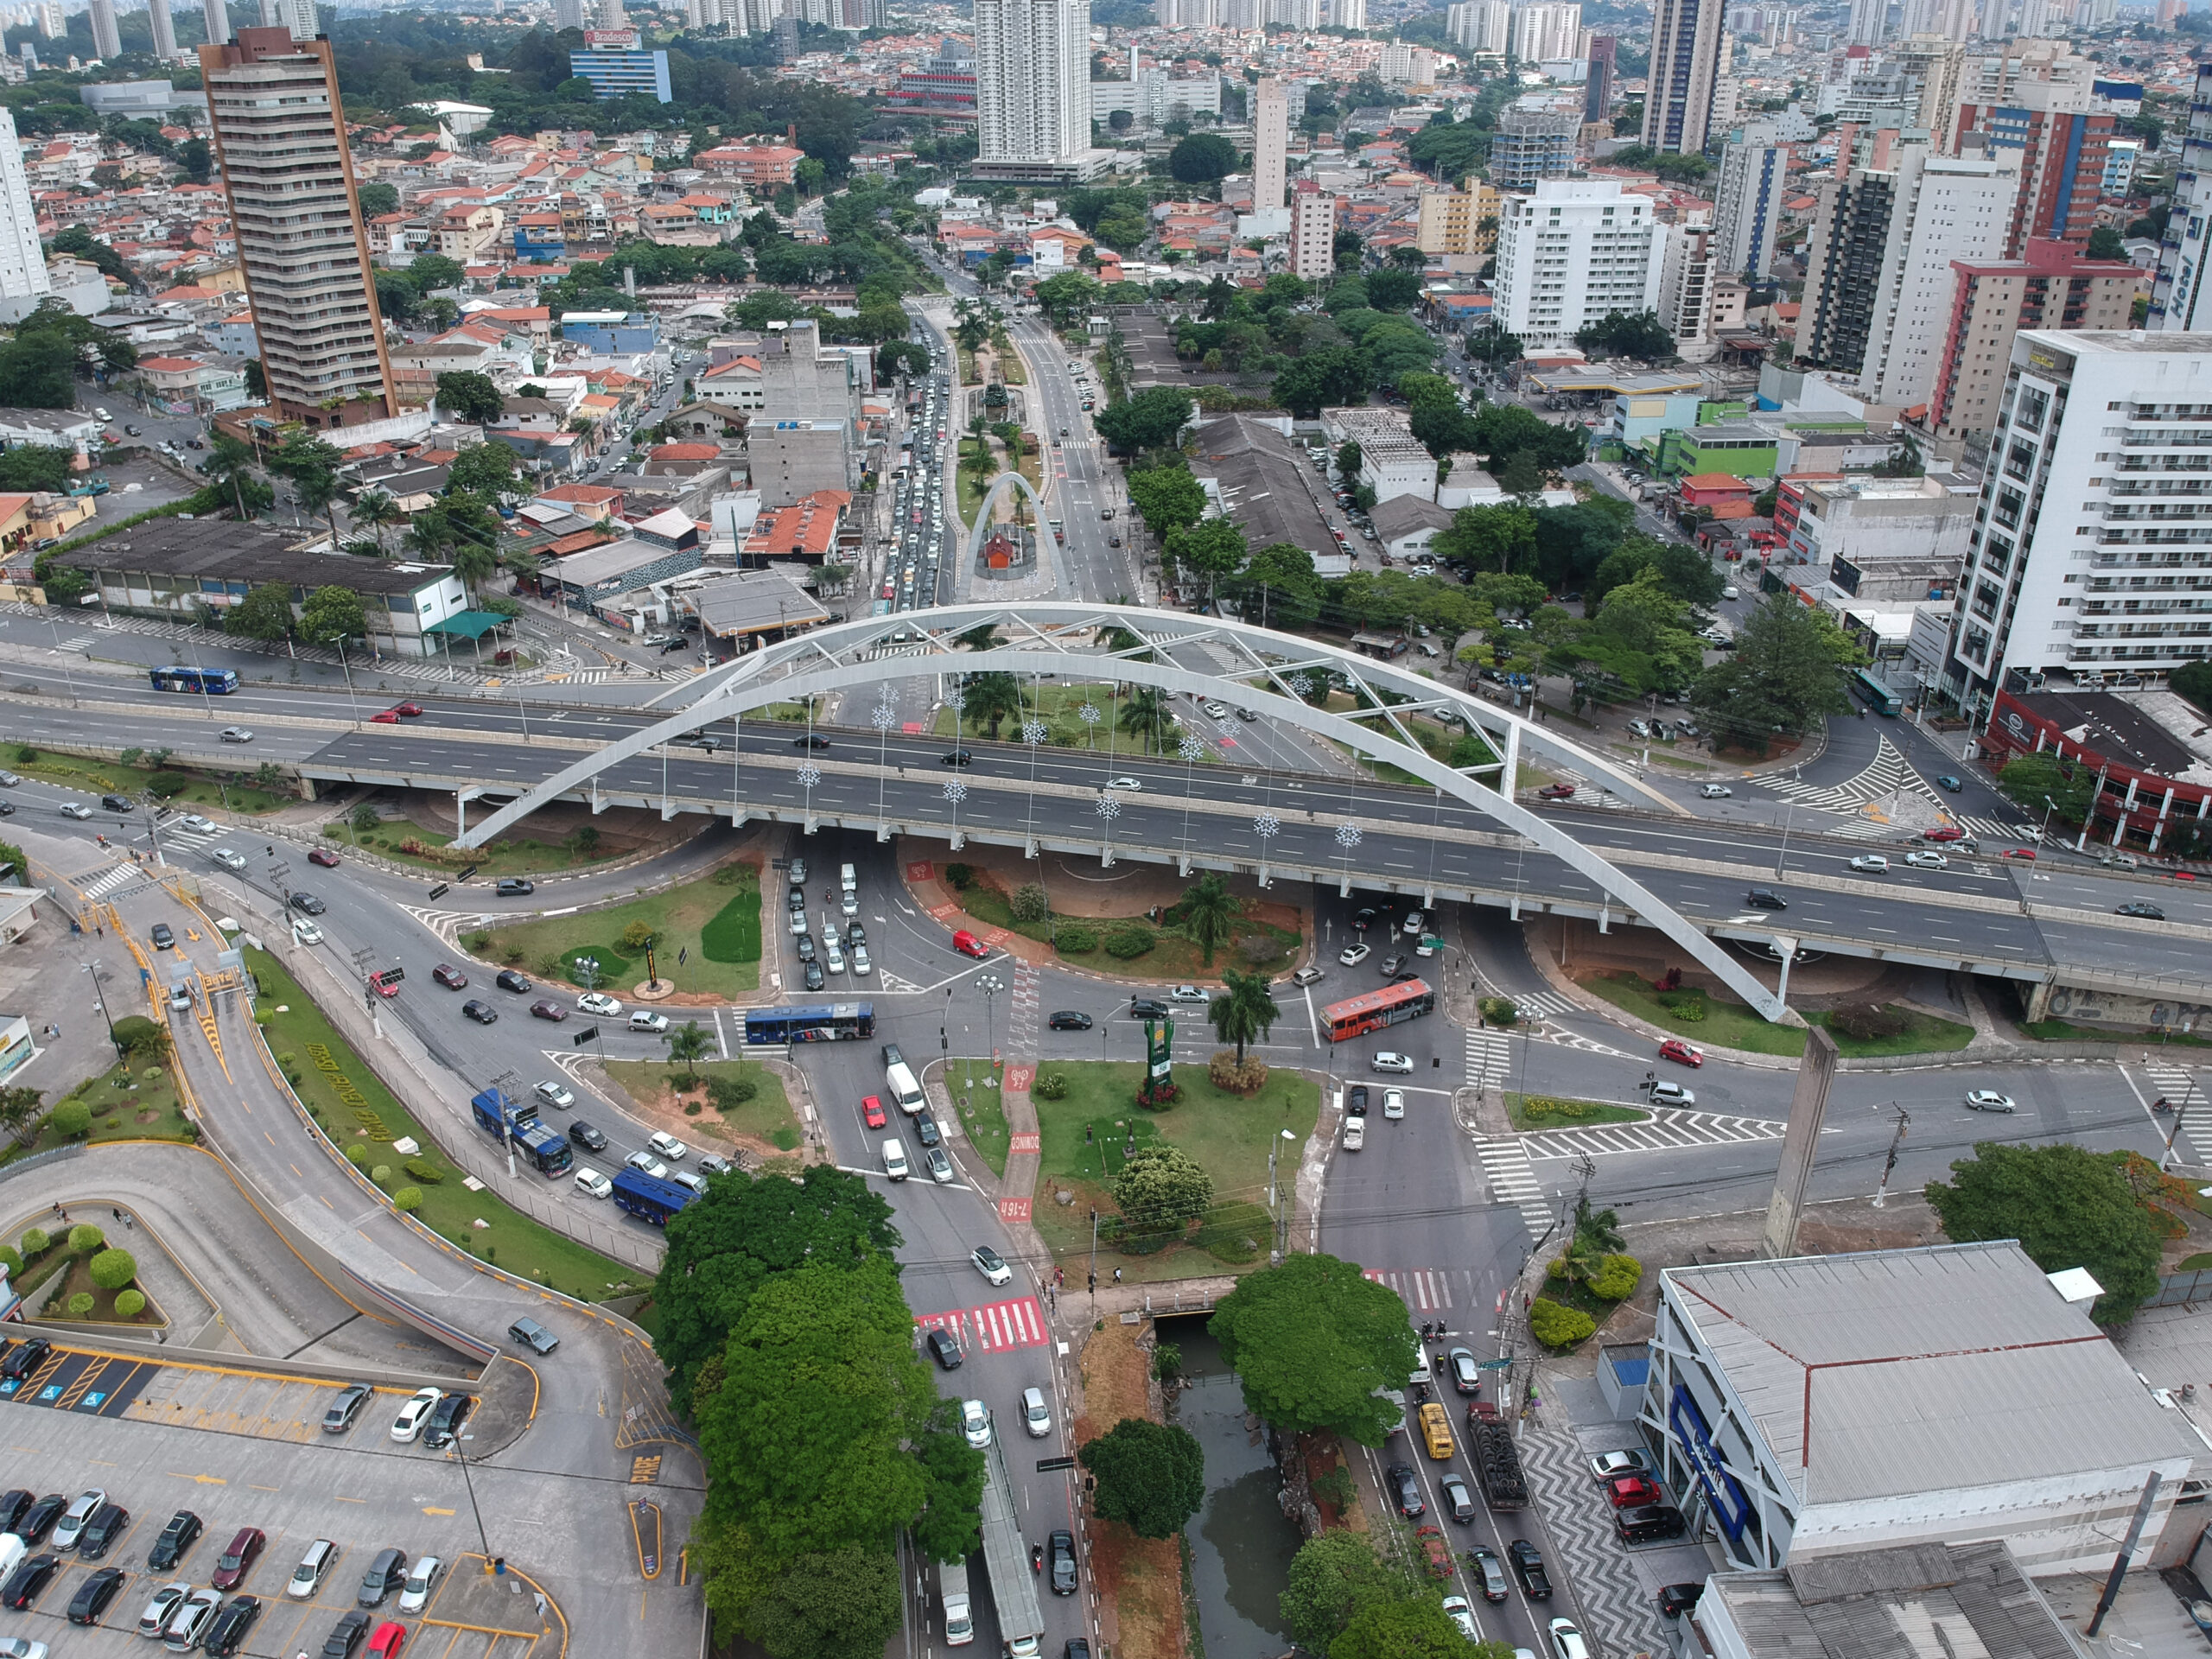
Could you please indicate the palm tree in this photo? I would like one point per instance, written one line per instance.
(687, 1042)
(1208, 913)
(1145, 715)
(230, 460)
(315, 488)
(373, 509)
(429, 535)
(473, 562)
(1245, 1013)
(982, 637)
(991, 698)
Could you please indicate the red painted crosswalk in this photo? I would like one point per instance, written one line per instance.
(994, 1327)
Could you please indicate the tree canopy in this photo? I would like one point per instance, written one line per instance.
(1151, 420)
(1784, 677)
(1151, 1476)
(2069, 1207)
(1201, 158)
(1312, 1340)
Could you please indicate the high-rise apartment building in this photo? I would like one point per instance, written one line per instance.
(1348, 14)
(2045, 128)
(2051, 287)
(50, 21)
(216, 16)
(1747, 201)
(1533, 144)
(2180, 285)
(1463, 222)
(1689, 271)
(2082, 559)
(106, 41)
(1597, 88)
(1570, 253)
(1687, 46)
(157, 18)
(1867, 21)
(1313, 233)
(1032, 88)
(1270, 145)
(23, 279)
(1546, 32)
(1406, 65)
(616, 70)
(296, 16)
(568, 14)
(1483, 27)
(280, 139)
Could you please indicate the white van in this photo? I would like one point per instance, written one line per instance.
(959, 1616)
(848, 878)
(894, 1159)
(898, 1082)
(12, 1551)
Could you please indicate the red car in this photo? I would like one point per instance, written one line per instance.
(323, 857)
(552, 1011)
(449, 977)
(1675, 1049)
(2026, 853)
(969, 945)
(386, 982)
(384, 717)
(1555, 791)
(1944, 832)
(234, 1564)
(1627, 1490)
(387, 1642)
(407, 710)
(872, 1113)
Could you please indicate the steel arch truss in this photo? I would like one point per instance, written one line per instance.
(977, 535)
(1273, 672)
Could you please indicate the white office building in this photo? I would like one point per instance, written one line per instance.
(1943, 209)
(1033, 89)
(23, 279)
(2083, 560)
(1571, 252)
(1747, 201)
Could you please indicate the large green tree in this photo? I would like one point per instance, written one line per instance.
(467, 395)
(1784, 677)
(1312, 1340)
(836, 1604)
(2068, 1207)
(1151, 1476)
(1207, 912)
(989, 699)
(740, 1232)
(1333, 1576)
(1213, 550)
(1409, 1630)
(1332, 376)
(949, 1527)
(264, 613)
(485, 469)
(332, 614)
(1166, 497)
(1161, 1189)
(34, 467)
(1684, 571)
(1502, 538)
(1150, 420)
(1201, 158)
(2034, 779)
(1245, 1013)
(1278, 587)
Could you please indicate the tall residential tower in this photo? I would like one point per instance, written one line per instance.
(1686, 43)
(24, 280)
(1033, 89)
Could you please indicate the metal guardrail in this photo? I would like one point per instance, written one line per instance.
(38, 1159)
(2180, 1289)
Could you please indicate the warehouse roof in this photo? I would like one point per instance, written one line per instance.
(1916, 1601)
(217, 549)
(1900, 1371)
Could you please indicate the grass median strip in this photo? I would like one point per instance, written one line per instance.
(705, 934)
(1550, 1112)
(364, 1117)
(1707, 1018)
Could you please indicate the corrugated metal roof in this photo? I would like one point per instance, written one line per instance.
(1917, 1601)
(1900, 1371)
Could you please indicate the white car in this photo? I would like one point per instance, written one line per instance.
(798, 873)
(1414, 923)
(74, 1518)
(1217, 711)
(197, 824)
(1188, 993)
(161, 1609)
(799, 920)
(1671, 1094)
(75, 809)
(1988, 1100)
(1393, 1102)
(1354, 1134)
(1731, 591)
(976, 1423)
(229, 859)
(1352, 954)
(305, 932)
(1400, 1065)
(1111, 783)
(860, 963)
(419, 1583)
(1925, 860)
(1872, 863)
(1611, 1465)
(833, 959)
(1456, 1610)
(408, 1426)
(1566, 1641)
(991, 1265)
(554, 1094)
(668, 1146)
(850, 903)
(599, 1002)
(646, 1163)
(1715, 791)
(592, 1184)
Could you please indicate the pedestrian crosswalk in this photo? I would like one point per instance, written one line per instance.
(1512, 1180)
(1426, 1290)
(1862, 829)
(994, 1327)
(1889, 773)
(1021, 1022)
(1488, 1054)
(111, 884)
(1545, 1005)
(1661, 1130)
(2181, 1088)
(77, 642)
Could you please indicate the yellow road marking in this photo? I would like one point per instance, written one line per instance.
(427, 1509)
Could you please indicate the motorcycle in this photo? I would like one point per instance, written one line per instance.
(1036, 1559)
(2160, 1105)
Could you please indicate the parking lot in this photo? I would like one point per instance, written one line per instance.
(241, 1449)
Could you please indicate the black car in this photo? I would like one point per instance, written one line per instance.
(1406, 1490)
(227, 1634)
(1643, 1523)
(482, 1013)
(815, 978)
(1529, 1567)
(345, 1635)
(1489, 1572)
(509, 980)
(957, 758)
(1678, 1599)
(102, 1532)
(1146, 1007)
(24, 1358)
(1363, 921)
(513, 886)
(39, 1519)
(1355, 1100)
(1059, 1550)
(1075, 1649)
(26, 1580)
(2143, 907)
(810, 741)
(386, 1573)
(1068, 1020)
(926, 1131)
(446, 1419)
(307, 905)
(176, 1538)
(12, 1505)
(944, 1348)
(161, 936)
(93, 1595)
(1458, 1503)
(117, 803)
(1765, 899)
(586, 1137)
(347, 1406)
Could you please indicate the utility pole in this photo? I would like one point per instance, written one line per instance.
(1889, 1167)
(500, 1084)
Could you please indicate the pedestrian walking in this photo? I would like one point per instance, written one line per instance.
(1117, 1276)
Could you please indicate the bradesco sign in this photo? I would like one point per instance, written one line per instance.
(1723, 1492)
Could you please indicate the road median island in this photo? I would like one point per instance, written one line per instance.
(705, 937)
(1714, 1020)
(339, 1089)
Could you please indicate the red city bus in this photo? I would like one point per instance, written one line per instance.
(1356, 1016)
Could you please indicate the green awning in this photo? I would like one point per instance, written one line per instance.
(469, 624)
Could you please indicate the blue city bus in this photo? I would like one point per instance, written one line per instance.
(545, 1148)
(1875, 696)
(647, 1198)
(823, 1022)
(220, 682)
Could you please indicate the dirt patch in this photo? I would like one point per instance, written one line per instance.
(1139, 1580)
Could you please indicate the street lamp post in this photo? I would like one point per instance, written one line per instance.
(990, 985)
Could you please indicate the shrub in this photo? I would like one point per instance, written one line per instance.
(1866, 1021)
(84, 1238)
(692, 1109)
(549, 967)
(1072, 938)
(1334, 1487)
(1228, 1075)
(26, 755)
(36, 1242)
(71, 1119)
(130, 1304)
(80, 1304)
(150, 1074)
(407, 1199)
(113, 1269)
(425, 1172)
(475, 942)
(1028, 902)
(165, 785)
(1166, 1360)
(1556, 1326)
(357, 1155)
(512, 954)
(1051, 1086)
(11, 1260)
(960, 877)
(1130, 940)
(335, 831)
(381, 1173)
(637, 936)
(1157, 1097)
(1685, 1005)
(730, 1093)
(1498, 1010)
(1617, 1278)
